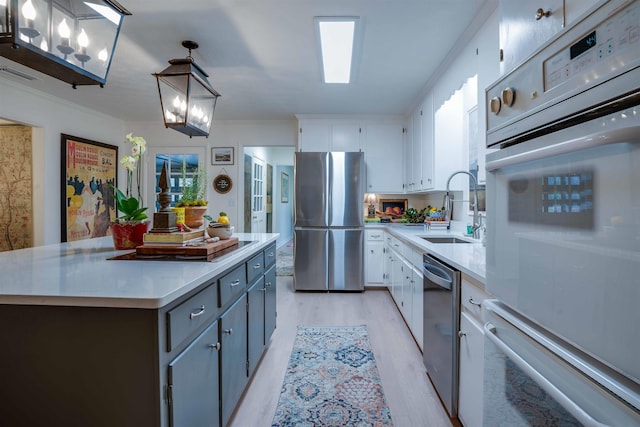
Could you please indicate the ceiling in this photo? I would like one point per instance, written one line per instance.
(261, 56)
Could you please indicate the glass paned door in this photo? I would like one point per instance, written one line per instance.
(258, 211)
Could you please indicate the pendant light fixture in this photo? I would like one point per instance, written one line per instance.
(70, 40)
(186, 96)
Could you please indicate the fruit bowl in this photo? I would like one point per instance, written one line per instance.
(222, 231)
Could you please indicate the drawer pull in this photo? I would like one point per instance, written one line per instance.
(215, 346)
(257, 266)
(197, 313)
(271, 254)
(471, 301)
(235, 283)
(228, 331)
(375, 236)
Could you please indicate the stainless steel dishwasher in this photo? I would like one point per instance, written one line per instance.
(441, 321)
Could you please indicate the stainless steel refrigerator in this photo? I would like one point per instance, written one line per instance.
(329, 221)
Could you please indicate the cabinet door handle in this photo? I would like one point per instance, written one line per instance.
(471, 301)
(270, 254)
(235, 283)
(257, 266)
(197, 313)
(228, 331)
(268, 284)
(540, 13)
(461, 334)
(215, 346)
(264, 289)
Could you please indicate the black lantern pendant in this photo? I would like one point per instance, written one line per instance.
(70, 40)
(186, 96)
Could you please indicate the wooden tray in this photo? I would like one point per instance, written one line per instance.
(204, 250)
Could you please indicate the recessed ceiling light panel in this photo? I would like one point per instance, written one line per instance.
(337, 41)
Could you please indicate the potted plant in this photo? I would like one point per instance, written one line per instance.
(129, 228)
(194, 190)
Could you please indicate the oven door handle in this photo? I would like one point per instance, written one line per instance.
(544, 383)
(611, 136)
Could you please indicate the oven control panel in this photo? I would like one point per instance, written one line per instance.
(567, 76)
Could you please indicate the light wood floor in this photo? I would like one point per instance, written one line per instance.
(408, 391)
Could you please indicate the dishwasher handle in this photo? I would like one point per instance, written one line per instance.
(437, 276)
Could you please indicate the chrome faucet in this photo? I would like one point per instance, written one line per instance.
(447, 203)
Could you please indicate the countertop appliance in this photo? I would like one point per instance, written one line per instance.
(441, 323)
(563, 230)
(329, 221)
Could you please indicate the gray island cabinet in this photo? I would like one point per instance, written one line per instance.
(91, 341)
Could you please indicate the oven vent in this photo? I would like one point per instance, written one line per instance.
(17, 73)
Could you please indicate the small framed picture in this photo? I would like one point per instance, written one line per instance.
(222, 156)
(284, 188)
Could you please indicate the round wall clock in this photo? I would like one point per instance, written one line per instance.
(222, 183)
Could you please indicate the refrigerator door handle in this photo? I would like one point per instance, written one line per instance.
(544, 383)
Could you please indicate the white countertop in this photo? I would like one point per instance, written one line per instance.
(469, 258)
(79, 274)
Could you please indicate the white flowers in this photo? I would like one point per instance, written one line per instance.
(139, 146)
(130, 162)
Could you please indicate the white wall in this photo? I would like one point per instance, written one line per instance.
(283, 220)
(50, 117)
(224, 133)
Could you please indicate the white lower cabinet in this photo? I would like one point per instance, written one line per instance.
(403, 278)
(471, 370)
(374, 257)
(417, 307)
(407, 292)
(396, 277)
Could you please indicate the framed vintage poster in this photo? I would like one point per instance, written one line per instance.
(87, 169)
(284, 188)
(222, 156)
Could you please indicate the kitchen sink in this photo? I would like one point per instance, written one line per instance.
(445, 240)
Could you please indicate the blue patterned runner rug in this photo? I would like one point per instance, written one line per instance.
(332, 380)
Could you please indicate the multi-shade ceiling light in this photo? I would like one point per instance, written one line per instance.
(70, 40)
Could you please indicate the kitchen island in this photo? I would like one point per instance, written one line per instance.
(93, 341)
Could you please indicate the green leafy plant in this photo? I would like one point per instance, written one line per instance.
(193, 189)
(127, 203)
(129, 206)
(413, 215)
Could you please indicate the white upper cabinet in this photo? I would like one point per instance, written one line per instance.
(314, 135)
(416, 151)
(573, 9)
(346, 136)
(380, 139)
(408, 153)
(525, 25)
(428, 149)
(383, 157)
(329, 135)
